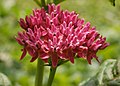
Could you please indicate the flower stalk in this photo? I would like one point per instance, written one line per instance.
(51, 76)
(39, 72)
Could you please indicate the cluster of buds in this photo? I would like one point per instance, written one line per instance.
(58, 35)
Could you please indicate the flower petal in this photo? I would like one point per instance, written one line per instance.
(23, 54)
(54, 59)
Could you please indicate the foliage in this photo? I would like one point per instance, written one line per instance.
(108, 75)
(57, 1)
(4, 81)
(43, 3)
(21, 73)
(113, 2)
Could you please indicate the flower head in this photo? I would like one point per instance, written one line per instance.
(55, 34)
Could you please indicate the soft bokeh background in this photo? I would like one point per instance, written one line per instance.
(22, 73)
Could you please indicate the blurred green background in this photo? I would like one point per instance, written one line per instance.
(22, 73)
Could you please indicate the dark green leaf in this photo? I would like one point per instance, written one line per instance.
(113, 2)
(57, 1)
(107, 75)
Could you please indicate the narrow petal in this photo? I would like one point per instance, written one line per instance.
(58, 8)
(23, 24)
(54, 59)
(23, 54)
(19, 41)
(71, 58)
(71, 55)
(33, 59)
(89, 57)
(49, 9)
(104, 46)
(27, 20)
(96, 58)
(31, 51)
(97, 47)
(45, 60)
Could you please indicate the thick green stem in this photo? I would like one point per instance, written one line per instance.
(39, 72)
(51, 76)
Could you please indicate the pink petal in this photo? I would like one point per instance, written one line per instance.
(91, 40)
(96, 58)
(28, 20)
(104, 46)
(89, 57)
(23, 54)
(54, 40)
(33, 59)
(97, 47)
(31, 51)
(58, 8)
(47, 21)
(71, 56)
(19, 41)
(54, 59)
(23, 24)
(49, 9)
(45, 60)
(74, 18)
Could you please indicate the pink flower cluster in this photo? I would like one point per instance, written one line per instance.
(56, 34)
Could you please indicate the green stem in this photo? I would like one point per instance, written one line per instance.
(51, 76)
(39, 72)
(43, 3)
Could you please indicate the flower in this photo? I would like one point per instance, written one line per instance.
(56, 34)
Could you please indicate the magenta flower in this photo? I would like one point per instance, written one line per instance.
(55, 34)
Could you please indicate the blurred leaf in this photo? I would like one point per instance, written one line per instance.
(38, 2)
(4, 81)
(57, 1)
(41, 3)
(108, 75)
(113, 2)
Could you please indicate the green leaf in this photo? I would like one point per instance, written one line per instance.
(113, 2)
(4, 81)
(57, 1)
(41, 3)
(108, 75)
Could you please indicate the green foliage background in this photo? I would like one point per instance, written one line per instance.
(22, 73)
